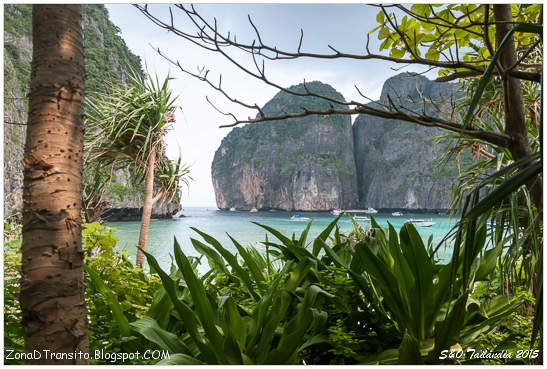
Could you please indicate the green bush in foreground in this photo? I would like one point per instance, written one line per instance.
(372, 296)
(112, 276)
(368, 297)
(13, 330)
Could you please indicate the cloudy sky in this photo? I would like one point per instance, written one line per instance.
(197, 134)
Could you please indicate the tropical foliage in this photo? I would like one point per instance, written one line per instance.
(112, 276)
(126, 129)
(498, 180)
(125, 125)
(429, 30)
(371, 296)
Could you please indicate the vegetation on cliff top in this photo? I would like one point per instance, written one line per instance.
(107, 58)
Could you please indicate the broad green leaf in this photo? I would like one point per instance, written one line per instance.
(324, 235)
(397, 53)
(421, 9)
(384, 33)
(380, 17)
(302, 240)
(161, 308)
(250, 260)
(202, 305)
(150, 329)
(232, 260)
(488, 262)
(287, 242)
(409, 351)
(334, 257)
(313, 341)
(233, 321)
(185, 313)
(215, 260)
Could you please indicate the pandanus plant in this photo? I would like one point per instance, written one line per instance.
(126, 129)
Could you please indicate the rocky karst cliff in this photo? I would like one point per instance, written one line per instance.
(125, 200)
(17, 57)
(107, 58)
(398, 162)
(295, 164)
(321, 163)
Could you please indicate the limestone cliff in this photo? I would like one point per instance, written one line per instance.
(17, 57)
(125, 200)
(302, 164)
(398, 162)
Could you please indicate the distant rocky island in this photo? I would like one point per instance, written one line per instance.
(319, 163)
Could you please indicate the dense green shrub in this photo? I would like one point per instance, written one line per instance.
(133, 288)
(337, 299)
(13, 331)
(368, 297)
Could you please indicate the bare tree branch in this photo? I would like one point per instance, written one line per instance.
(216, 41)
(209, 38)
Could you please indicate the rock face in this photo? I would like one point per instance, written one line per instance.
(125, 201)
(321, 163)
(107, 58)
(159, 211)
(304, 164)
(397, 162)
(17, 58)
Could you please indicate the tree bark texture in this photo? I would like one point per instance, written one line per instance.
(147, 206)
(52, 285)
(515, 121)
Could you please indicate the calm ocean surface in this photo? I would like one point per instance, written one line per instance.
(238, 224)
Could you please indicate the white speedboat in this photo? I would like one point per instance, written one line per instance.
(371, 211)
(397, 214)
(358, 217)
(336, 211)
(422, 222)
(232, 209)
(299, 218)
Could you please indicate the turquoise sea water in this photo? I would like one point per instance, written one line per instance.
(238, 224)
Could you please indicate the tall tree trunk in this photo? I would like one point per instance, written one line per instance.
(515, 124)
(147, 206)
(515, 121)
(52, 286)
